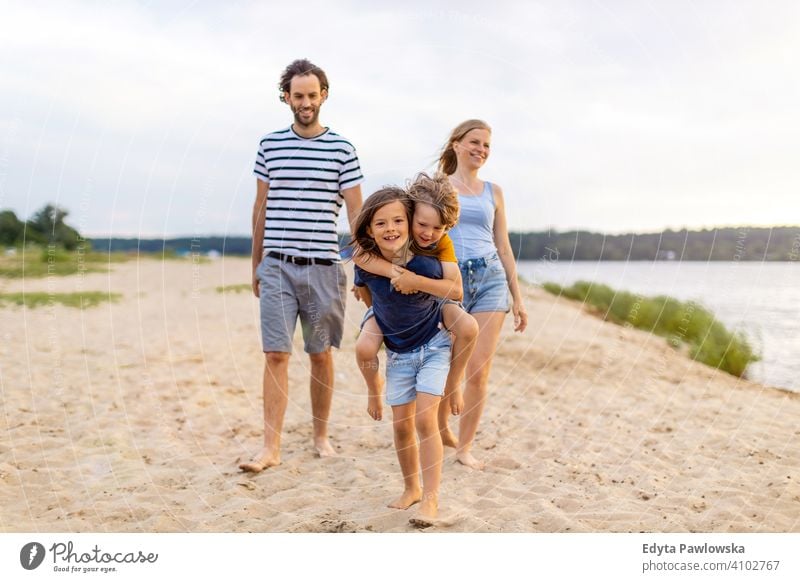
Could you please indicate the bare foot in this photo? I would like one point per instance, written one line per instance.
(466, 458)
(428, 512)
(323, 448)
(264, 460)
(407, 499)
(448, 438)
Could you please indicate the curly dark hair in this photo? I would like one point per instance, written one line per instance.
(301, 67)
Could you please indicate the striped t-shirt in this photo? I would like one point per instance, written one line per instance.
(306, 177)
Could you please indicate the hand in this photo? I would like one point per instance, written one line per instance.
(405, 283)
(456, 402)
(256, 285)
(356, 292)
(520, 316)
(397, 270)
(375, 406)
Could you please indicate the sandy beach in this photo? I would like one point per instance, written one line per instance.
(133, 416)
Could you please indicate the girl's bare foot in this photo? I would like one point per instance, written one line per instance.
(428, 511)
(466, 458)
(265, 459)
(323, 447)
(407, 499)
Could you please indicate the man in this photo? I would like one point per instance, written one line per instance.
(303, 175)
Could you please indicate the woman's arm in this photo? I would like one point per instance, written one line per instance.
(506, 255)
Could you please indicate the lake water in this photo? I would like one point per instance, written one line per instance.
(760, 299)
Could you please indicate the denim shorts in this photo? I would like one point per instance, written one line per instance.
(313, 293)
(424, 369)
(485, 285)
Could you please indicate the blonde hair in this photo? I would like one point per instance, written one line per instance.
(439, 193)
(447, 159)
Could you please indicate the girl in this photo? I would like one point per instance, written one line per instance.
(418, 352)
(435, 212)
(487, 266)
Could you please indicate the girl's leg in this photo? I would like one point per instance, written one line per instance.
(430, 452)
(405, 443)
(465, 331)
(490, 323)
(367, 347)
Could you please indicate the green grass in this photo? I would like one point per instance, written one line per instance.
(36, 262)
(80, 300)
(682, 323)
(240, 288)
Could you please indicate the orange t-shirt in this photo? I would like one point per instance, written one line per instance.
(445, 250)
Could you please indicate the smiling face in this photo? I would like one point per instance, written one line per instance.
(305, 99)
(473, 149)
(427, 228)
(389, 229)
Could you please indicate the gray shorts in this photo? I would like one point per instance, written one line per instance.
(314, 292)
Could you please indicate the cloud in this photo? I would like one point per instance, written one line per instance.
(606, 115)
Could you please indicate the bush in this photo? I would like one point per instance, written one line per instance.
(687, 323)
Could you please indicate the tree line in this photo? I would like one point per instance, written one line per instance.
(47, 226)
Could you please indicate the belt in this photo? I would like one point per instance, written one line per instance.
(300, 260)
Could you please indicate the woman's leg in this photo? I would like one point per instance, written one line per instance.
(465, 331)
(367, 346)
(490, 323)
(405, 443)
(430, 452)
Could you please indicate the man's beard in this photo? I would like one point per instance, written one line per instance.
(313, 121)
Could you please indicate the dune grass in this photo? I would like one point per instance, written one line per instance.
(81, 300)
(682, 323)
(36, 262)
(240, 288)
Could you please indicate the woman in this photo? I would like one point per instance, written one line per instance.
(488, 272)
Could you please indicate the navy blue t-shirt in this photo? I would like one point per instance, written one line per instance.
(407, 321)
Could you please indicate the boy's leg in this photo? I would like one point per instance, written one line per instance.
(430, 452)
(367, 347)
(405, 443)
(465, 331)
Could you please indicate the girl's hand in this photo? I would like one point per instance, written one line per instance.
(356, 292)
(520, 316)
(375, 406)
(405, 283)
(256, 285)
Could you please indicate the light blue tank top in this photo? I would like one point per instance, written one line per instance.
(473, 236)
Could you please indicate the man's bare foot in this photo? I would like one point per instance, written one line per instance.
(407, 499)
(448, 438)
(323, 448)
(466, 458)
(264, 460)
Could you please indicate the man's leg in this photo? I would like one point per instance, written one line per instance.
(278, 317)
(321, 397)
(276, 397)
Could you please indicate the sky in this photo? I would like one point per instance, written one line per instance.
(143, 118)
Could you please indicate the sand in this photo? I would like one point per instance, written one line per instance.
(133, 417)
